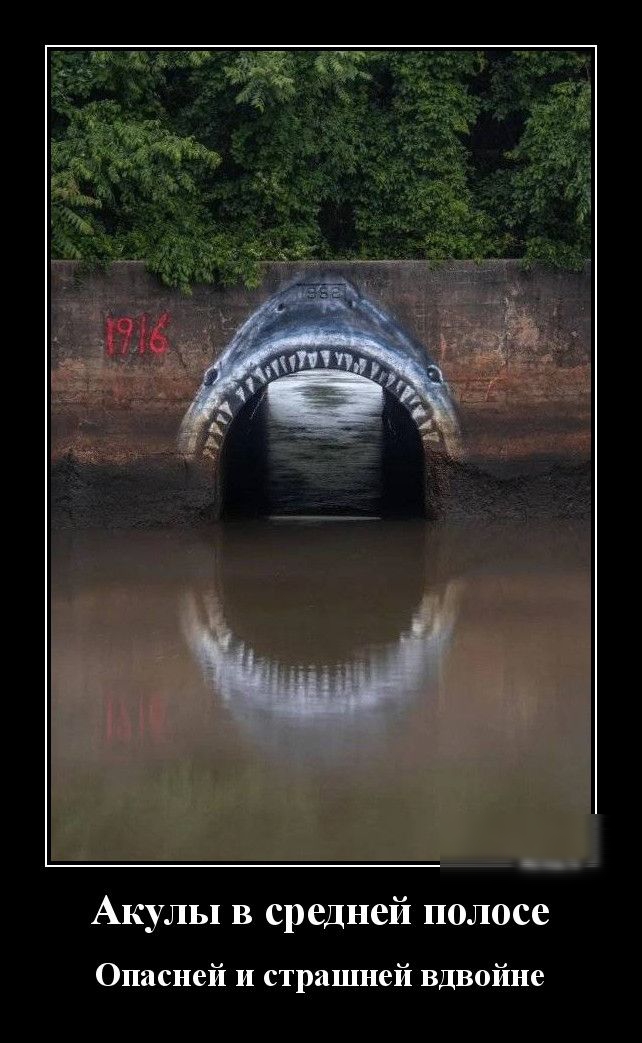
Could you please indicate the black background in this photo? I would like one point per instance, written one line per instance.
(570, 949)
(565, 949)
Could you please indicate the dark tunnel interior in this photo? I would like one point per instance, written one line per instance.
(332, 462)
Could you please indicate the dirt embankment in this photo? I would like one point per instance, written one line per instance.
(157, 493)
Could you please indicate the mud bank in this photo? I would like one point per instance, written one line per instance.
(153, 494)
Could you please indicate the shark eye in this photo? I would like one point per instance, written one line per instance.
(210, 376)
(434, 374)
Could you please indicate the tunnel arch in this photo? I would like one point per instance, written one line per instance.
(317, 326)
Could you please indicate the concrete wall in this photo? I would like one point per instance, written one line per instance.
(515, 347)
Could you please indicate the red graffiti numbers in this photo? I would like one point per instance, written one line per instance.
(142, 333)
(121, 330)
(136, 333)
(157, 340)
(128, 721)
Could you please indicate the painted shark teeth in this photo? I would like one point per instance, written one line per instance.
(259, 376)
(352, 334)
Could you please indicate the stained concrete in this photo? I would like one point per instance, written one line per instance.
(514, 346)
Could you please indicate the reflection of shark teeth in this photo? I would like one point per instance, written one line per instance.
(374, 675)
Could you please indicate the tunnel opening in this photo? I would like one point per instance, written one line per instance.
(323, 444)
(322, 331)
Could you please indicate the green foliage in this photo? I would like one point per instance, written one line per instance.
(206, 163)
(265, 77)
(413, 195)
(542, 186)
(552, 198)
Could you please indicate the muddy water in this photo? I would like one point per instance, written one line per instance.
(321, 690)
(315, 689)
(324, 444)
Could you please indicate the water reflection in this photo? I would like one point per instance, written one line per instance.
(328, 696)
(324, 437)
(139, 721)
(321, 691)
(322, 443)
